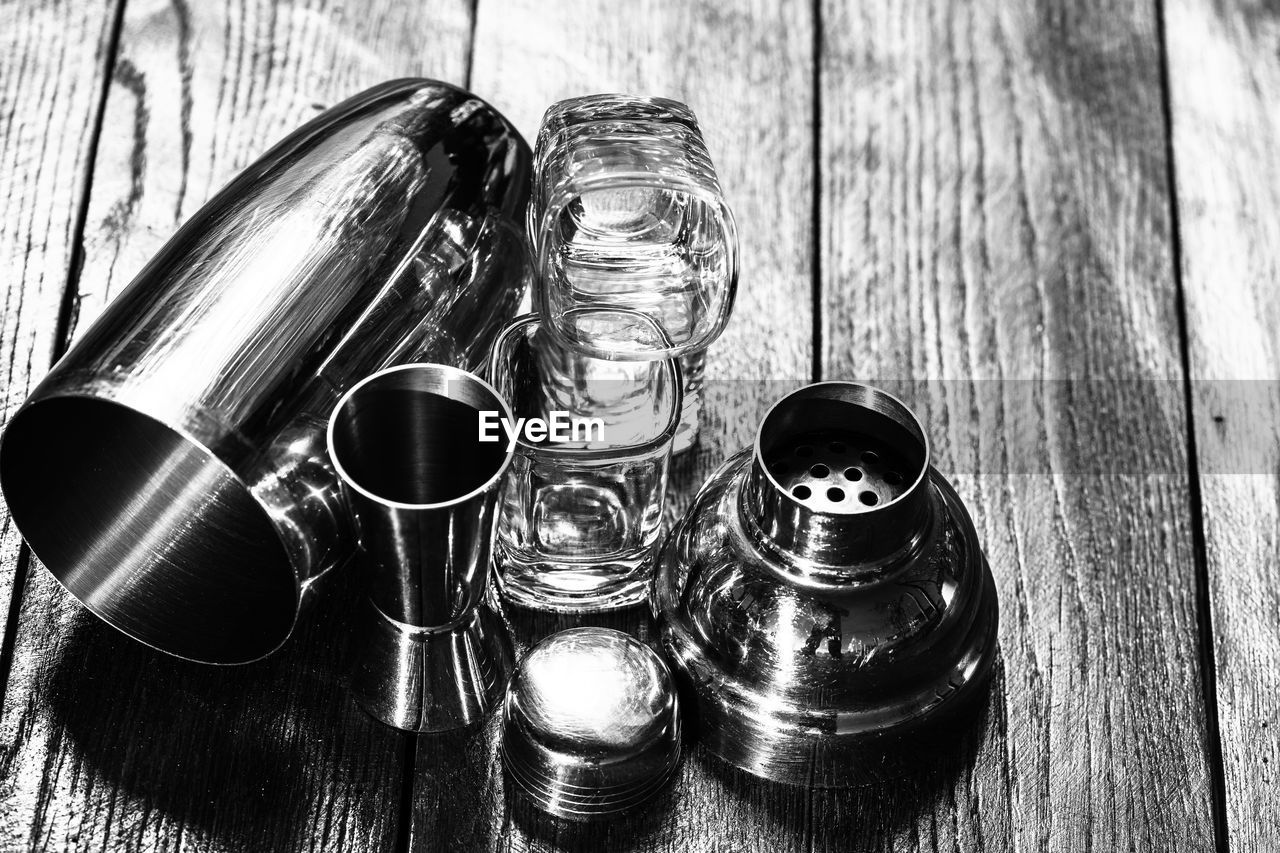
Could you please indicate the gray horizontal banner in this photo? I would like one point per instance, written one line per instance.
(1058, 426)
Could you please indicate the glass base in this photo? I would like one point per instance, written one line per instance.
(573, 587)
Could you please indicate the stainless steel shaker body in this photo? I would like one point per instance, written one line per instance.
(428, 655)
(171, 469)
(825, 599)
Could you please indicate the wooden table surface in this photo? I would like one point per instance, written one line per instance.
(1053, 227)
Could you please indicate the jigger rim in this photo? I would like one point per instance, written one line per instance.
(449, 373)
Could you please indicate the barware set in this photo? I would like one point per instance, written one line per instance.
(323, 367)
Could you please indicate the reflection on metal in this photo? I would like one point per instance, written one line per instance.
(171, 469)
(429, 654)
(825, 599)
(591, 725)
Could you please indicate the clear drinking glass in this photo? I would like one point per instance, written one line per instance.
(579, 518)
(627, 219)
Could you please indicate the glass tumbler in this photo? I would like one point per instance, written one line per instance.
(627, 219)
(580, 509)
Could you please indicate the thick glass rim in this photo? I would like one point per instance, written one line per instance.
(626, 180)
(671, 372)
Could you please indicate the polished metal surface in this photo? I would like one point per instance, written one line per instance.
(429, 656)
(171, 469)
(591, 724)
(825, 599)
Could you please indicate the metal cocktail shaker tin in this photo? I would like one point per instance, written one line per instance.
(825, 600)
(171, 469)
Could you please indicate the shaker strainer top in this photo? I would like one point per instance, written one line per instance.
(825, 599)
(841, 471)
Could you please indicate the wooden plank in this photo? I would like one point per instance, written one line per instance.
(746, 69)
(997, 243)
(53, 61)
(1225, 103)
(106, 744)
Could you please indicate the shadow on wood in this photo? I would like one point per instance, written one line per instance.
(921, 770)
(241, 755)
(895, 803)
(890, 812)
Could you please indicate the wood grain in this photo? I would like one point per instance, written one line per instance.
(746, 69)
(1224, 86)
(53, 64)
(103, 743)
(996, 243)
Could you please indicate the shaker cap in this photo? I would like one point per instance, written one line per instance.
(591, 725)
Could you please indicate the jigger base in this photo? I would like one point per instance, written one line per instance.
(430, 680)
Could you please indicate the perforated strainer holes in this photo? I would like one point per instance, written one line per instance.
(818, 469)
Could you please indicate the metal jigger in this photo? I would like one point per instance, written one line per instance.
(430, 655)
